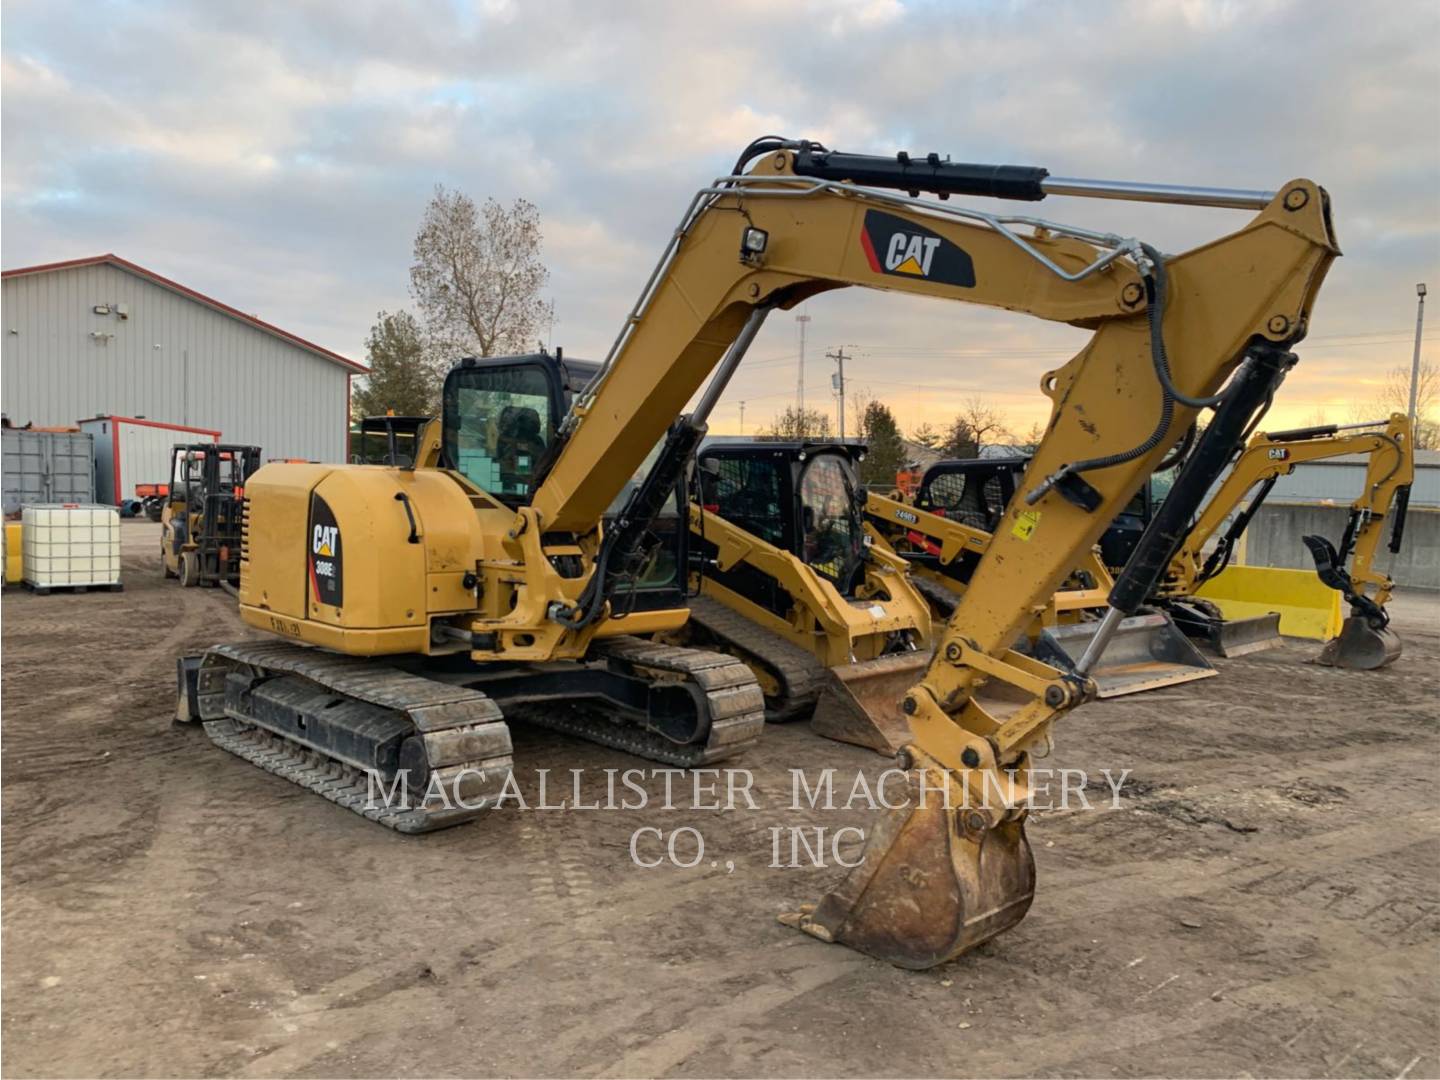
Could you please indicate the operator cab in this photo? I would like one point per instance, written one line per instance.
(972, 491)
(800, 496)
(500, 416)
(499, 421)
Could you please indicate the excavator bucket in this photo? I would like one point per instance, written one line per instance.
(860, 703)
(1147, 652)
(935, 881)
(1361, 646)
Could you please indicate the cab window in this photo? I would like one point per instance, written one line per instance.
(831, 524)
(498, 426)
(746, 491)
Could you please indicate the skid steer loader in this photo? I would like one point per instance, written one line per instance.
(786, 576)
(946, 532)
(408, 605)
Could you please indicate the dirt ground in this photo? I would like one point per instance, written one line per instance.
(1264, 902)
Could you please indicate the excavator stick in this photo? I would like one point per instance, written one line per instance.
(1146, 652)
(860, 703)
(937, 877)
(1361, 646)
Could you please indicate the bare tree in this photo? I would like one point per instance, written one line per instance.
(976, 426)
(1394, 396)
(795, 423)
(477, 275)
(859, 400)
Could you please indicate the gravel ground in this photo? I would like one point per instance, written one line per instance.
(1263, 901)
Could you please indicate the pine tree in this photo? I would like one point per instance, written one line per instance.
(886, 449)
(400, 380)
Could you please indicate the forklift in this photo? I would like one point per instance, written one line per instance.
(200, 523)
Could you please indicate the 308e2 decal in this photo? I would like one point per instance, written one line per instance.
(327, 583)
(894, 245)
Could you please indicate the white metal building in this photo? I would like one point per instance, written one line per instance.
(105, 337)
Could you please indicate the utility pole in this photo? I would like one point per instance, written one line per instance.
(838, 381)
(800, 383)
(742, 418)
(1415, 364)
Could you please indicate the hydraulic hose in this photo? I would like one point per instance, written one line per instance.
(1156, 286)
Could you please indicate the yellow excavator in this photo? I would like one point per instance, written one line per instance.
(408, 603)
(1366, 640)
(787, 576)
(1146, 651)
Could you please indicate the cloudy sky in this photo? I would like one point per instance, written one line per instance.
(277, 153)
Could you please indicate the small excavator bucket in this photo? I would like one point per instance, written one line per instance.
(861, 702)
(1361, 646)
(1147, 652)
(935, 881)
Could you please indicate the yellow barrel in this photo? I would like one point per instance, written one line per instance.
(14, 553)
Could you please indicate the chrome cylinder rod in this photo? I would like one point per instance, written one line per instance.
(1234, 198)
(727, 367)
(1096, 649)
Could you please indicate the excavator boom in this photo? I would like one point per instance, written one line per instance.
(1169, 331)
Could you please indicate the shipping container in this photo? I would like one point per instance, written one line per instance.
(131, 450)
(46, 467)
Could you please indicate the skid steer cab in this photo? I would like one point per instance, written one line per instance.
(786, 576)
(200, 521)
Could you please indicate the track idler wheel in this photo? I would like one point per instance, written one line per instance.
(1361, 646)
(935, 881)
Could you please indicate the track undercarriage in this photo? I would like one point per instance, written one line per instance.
(418, 746)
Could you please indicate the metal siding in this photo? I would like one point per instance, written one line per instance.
(210, 371)
(145, 454)
(1343, 481)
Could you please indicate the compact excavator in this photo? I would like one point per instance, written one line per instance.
(410, 601)
(1365, 640)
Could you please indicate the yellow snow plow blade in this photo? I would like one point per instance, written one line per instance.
(1308, 608)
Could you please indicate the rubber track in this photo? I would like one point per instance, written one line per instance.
(443, 714)
(801, 676)
(736, 704)
(941, 599)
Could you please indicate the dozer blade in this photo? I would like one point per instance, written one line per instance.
(1147, 652)
(860, 703)
(934, 882)
(1361, 646)
(1239, 637)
